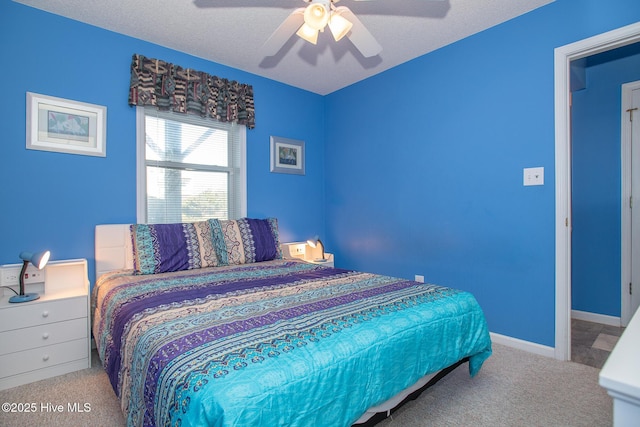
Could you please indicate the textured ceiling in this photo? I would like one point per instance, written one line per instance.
(232, 32)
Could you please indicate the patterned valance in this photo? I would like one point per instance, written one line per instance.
(183, 90)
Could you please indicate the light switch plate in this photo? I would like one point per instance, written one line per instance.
(534, 176)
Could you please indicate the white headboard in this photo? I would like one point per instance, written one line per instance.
(113, 248)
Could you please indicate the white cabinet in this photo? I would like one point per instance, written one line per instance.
(51, 335)
(620, 375)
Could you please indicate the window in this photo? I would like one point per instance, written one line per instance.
(189, 168)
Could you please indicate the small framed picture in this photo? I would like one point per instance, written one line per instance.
(65, 126)
(287, 155)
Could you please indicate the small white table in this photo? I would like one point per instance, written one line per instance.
(620, 376)
(49, 336)
(301, 250)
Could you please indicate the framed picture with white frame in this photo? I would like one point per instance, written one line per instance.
(287, 155)
(65, 126)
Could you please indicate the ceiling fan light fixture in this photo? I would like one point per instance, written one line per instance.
(307, 22)
(339, 25)
(316, 15)
(307, 33)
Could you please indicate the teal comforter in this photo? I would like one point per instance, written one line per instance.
(277, 343)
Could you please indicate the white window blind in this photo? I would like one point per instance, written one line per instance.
(189, 168)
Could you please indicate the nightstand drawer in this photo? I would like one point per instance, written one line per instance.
(33, 314)
(41, 335)
(43, 357)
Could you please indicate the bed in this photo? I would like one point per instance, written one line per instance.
(225, 331)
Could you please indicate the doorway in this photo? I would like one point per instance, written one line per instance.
(563, 56)
(630, 192)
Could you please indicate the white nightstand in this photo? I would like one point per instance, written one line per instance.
(327, 263)
(51, 335)
(301, 250)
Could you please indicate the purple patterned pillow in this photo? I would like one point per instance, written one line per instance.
(160, 248)
(260, 239)
(246, 240)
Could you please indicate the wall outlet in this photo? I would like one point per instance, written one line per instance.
(298, 249)
(33, 276)
(10, 273)
(419, 278)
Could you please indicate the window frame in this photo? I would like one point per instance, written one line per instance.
(141, 168)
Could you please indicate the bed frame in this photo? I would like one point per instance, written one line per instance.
(113, 251)
(113, 248)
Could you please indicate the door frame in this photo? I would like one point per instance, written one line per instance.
(562, 63)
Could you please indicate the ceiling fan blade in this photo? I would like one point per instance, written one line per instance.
(362, 39)
(280, 36)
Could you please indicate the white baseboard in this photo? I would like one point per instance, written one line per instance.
(596, 318)
(547, 351)
(528, 346)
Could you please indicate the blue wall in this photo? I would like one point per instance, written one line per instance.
(596, 181)
(52, 200)
(424, 165)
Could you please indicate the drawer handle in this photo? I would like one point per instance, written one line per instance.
(45, 357)
(45, 335)
(45, 314)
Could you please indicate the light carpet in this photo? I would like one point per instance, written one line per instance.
(513, 388)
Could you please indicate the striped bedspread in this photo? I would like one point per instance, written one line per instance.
(276, 343)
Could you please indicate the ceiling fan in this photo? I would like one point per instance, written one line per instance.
(308, 21)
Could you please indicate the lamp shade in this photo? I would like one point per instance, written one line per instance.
(339, 25)
(307, 33)
(39, 259)
(316, 15)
